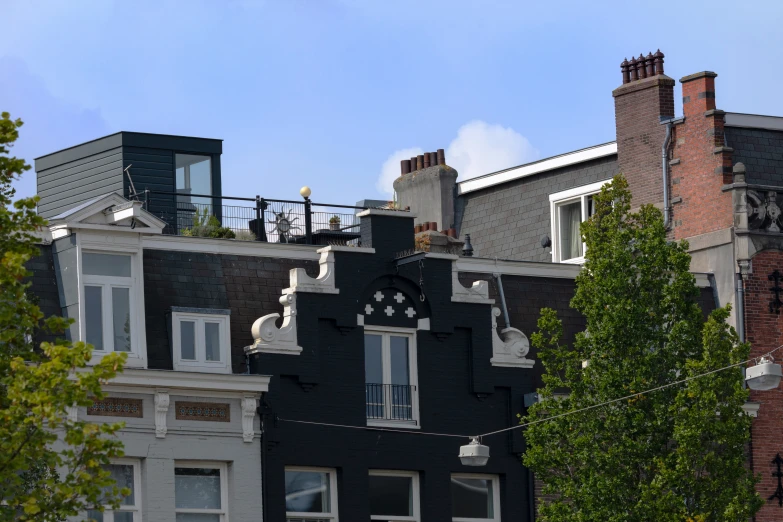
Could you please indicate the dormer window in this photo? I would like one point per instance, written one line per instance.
(569, 209)
(201, 339)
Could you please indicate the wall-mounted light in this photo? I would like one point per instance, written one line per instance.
(474, 453)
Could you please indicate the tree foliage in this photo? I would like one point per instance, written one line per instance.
(677, 454)
(50, 467)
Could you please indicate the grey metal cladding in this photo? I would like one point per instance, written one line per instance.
(507, 220)
(761, 151)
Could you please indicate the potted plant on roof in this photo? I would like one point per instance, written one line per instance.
(334, 222)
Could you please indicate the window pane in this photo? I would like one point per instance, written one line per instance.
(590, 206)
(116, 265)
(97, 516)
(307, 492)
(194, 176)
(123, 516)
(123, 475)
(197, 517)
(373, 361)
(196, 488)
(120, 302)
(399, 360)
(391, 496)
(570, 240)
(187, 340)
(212, 336)
(93, 315)
(471, 497)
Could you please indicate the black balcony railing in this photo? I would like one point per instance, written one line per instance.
(390, 401)
(254, 219)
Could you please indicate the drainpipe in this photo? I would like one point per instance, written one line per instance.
(667, 210)
(741, 308)
(502, 299)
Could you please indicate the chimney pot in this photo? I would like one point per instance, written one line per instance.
(419, 162)
(441, 157)
(632, 69)
(417, 229)
(648, 62)
(405, 166)
(426, 159)
(640, 67)
(624, 71)
(658, 56)
(433, 159)
(433, 226)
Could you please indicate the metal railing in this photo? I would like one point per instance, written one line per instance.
(254, 219)
(389, 401)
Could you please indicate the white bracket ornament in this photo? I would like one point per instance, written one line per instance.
(510, 349)
(299, 281)
(161, 410)
(248, 416)
(478, 293)
(271, 339)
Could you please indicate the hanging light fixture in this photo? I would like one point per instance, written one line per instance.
(474, 453)
(765, 375)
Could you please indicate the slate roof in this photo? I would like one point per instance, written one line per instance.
(760, 150)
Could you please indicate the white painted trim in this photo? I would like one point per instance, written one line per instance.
(509, 351)
(268, 338)
(529, 169)
(389, 213)
(147, 381)
(324, 283)
(495, 496)
(519, 268)
(477, 293)
(224, 496)
(136, 508)
(753, 121)
(343, 248)
(438, 255)
(416, 501)
(334, 511)
(573, 193)
(249, 406)
(201, 363)
(565, 197)
(162, 400)
(230, 246)
(751, 408)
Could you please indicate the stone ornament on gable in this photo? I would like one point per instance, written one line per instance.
(271, 339)
(478, 293)
(510, 347)
(299, 281)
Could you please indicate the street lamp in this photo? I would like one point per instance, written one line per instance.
(305, 192)
(765, 375)
(474, 453)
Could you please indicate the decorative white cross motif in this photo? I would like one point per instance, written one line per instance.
(399, 297)
(410, 312)
(389, 311)
(379, 296)
(368, 309)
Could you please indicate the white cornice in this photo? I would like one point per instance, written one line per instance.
(390, 213)
(150, 380)
(556, 162)
(231, 246)
(753, 121)
(343, 248)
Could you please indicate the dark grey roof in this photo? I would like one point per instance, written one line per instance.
(760, 150)
(80, 206)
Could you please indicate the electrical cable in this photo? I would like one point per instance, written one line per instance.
(538, 421)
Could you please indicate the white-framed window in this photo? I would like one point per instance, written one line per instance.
(475, 498)
(109, 290)
(394, 496)
(391, 377)
(201, 339)
(200, 491)
(568, 210)
(310, 494)
(127, 474)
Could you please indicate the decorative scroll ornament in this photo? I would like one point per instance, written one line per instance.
(764, 211)
(778, 461)
(478, 293)
(271, 339)
(161, 410)
(284, 225)
(248, 416)
(510, 347)
(299, 281)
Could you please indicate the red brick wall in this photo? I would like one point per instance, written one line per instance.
(638, 108)
(764, 331)
(704, 164)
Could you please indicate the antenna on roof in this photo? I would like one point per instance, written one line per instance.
(133, 194)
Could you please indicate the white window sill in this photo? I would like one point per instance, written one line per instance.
(133, 360)
(574, 261)
(402, 425)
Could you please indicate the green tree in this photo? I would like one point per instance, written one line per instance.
(50, 467)
(677, 454)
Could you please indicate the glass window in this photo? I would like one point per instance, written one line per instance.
(570, 239)
(194, 174)
(126, 474)
(108, 301)
(93, 311)
(390, 377)
(111, 265)
(120, 298)
(201, 341)
(310, 495)
(474, 498)
(199, 492)
(394, 495)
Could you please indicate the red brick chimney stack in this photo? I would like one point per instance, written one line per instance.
(645, 98)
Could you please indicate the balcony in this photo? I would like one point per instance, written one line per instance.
(390, 402)
(254, 219)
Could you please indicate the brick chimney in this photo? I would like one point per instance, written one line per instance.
(645, 98)
(427, 185)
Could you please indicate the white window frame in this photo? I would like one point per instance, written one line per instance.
(413, 373)
(201, 363)
(137, 357)
(335, 512)
(559, 199)
(415, 491)
(223, 468)
(495, 496)
(108, 514)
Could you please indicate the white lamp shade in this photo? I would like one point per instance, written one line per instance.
(305, 191)
(764, 376)
(474, 454)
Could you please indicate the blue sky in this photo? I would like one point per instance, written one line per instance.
(327, 92)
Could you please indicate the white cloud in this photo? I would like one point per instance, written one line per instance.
(391, 169)
(481, 148)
